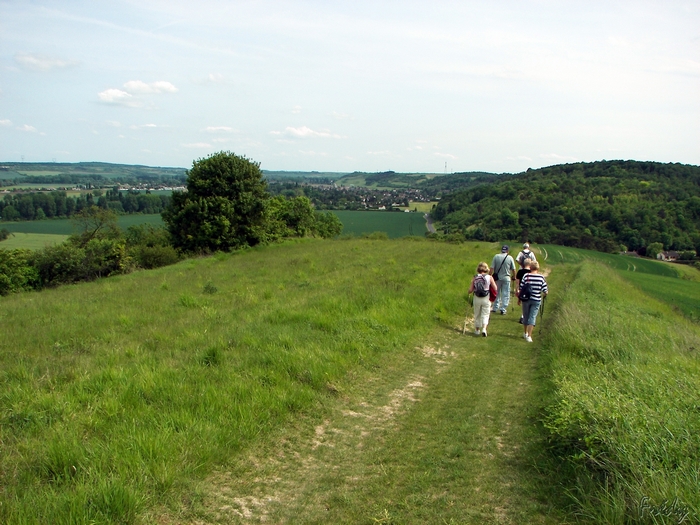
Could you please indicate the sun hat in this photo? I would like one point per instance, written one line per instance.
(505, 248)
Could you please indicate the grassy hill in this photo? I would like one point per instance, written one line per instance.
(329, 381)
(598, 205)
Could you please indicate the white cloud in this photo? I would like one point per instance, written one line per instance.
(114, 123)
(140, 87)
(296, 110)
(341, 116)
(42, 62)
(197, 145)
(129, 95)
(219, 129)
(5, 122)
(28, 129)
(305, 133)
(115, 96)
(445, 155)
(145, 126)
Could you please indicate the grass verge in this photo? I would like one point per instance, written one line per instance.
(625, 409)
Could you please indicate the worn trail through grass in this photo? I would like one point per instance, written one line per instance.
(444, 433)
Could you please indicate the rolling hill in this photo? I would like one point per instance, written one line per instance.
(598, 205)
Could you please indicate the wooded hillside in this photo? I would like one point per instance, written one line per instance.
(599, 205)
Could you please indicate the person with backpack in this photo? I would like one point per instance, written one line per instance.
(533, 290)
(483, 286)
(519, 277)
(502, 269)
(524, 255)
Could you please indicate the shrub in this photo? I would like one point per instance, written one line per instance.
(58, 264)
(149, 257)
(16, 273)
(68, 262)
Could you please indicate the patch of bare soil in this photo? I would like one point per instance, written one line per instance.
(296, 474)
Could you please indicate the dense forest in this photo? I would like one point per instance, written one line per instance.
(601, 205)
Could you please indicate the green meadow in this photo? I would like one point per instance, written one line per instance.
(330, 382)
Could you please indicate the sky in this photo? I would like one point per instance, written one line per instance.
(341, 86)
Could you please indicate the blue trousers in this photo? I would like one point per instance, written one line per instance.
(530, 310)
(503, 298)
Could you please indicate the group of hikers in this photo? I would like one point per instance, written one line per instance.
(491, 289)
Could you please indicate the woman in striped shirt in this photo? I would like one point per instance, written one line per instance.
(538, 290)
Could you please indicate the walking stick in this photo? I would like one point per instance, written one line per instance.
(470, 300)
(541, 312)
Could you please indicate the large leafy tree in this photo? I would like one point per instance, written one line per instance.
(223, 207)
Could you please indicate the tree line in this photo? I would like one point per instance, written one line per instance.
(50, 204)
(606, 205)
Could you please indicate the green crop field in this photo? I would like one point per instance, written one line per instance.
(677, 285)
(563, 254)
(32, 241)
(66, 226)
(394, 224)
(680, 293)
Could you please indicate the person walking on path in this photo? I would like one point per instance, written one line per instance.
(480, 287)
(519, 277)
(533, 289)
(524, 255)
(502, 269)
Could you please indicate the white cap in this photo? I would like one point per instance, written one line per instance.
(526, 245)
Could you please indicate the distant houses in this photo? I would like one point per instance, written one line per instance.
(668, 256)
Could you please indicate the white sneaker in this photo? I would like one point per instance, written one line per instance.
(524, 336)
(477, 331)
(528, 339)
(484, 332)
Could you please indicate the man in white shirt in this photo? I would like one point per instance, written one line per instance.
(502, 269)
(525, 254)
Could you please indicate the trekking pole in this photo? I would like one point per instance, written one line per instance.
(541, 312)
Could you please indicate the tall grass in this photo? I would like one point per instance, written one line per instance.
(625, 411)
(115, 395)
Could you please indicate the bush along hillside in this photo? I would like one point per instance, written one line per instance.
(601, 205)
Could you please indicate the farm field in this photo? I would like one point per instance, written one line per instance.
(394, 224)
(330, 382)
(65, 226)
(32, 241)
(420, 207)
(564, 254)
(678, 285)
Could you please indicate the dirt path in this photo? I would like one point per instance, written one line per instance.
(442, 433)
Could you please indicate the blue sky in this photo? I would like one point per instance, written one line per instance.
(409, 86)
